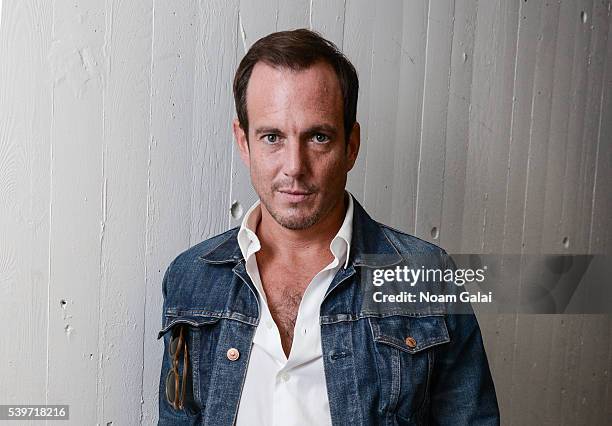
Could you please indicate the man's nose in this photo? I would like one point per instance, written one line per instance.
(295, 160)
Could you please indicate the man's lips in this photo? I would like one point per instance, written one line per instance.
(294, 196)
(294, 192)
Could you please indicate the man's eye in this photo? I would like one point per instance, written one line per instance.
(321, 138)
(271, 138)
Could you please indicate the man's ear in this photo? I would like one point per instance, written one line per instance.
(352, 148)
(241, 141)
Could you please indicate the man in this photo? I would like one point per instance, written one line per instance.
(264, 324)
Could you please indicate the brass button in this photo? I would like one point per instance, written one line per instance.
(233, 354)
(411, 342)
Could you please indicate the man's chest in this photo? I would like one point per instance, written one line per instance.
(287, 291)
(284, 289)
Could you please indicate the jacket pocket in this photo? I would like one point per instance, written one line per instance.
(193, 318)
(196, 327)
(405, 358)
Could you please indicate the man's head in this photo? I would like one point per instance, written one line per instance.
(296, 98)
(297, 50)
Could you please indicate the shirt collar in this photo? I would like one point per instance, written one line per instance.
(368, 237)
(340, 245)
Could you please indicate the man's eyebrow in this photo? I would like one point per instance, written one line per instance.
(262, 130)
(327, 128)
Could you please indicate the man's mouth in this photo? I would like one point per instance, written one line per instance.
(294, 196)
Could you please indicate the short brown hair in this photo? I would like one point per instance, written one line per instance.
(297, 50)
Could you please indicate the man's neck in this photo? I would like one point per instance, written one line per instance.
(285, 243)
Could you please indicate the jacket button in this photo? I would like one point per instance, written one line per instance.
(233, 354)
(411, 342)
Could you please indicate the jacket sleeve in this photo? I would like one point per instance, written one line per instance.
(462, 390)
(167, 414)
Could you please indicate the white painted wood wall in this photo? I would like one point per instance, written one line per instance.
(490, 121)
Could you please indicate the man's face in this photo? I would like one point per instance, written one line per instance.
(296, 152)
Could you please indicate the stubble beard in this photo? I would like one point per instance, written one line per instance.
(294, 223)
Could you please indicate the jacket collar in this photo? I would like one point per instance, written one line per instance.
(370, 245)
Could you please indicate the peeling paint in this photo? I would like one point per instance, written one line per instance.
(236, 210)
(69, 330)
(73, 64)
(242, 33)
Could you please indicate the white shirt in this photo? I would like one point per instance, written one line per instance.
(280, 390)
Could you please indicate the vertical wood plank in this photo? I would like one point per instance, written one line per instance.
(516, 178)
(380, 145)
(575, 149)
(600, 235)
(79, 62)
(212, 165)
(533, 352)
(593, 21)
(176, 32)
(570, 400)
(607, 376)
(529, 19)
(557, 153)
(597, 24)
(293, 14)
(125, 162)
(457, 124)
(409, 115)
(25, 171)
(489, 120)
(493, 113)
(552, 235)
(327, 17)
(592, 371)
(359, 27)
(433, 122)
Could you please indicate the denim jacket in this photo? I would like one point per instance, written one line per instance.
(379, 369)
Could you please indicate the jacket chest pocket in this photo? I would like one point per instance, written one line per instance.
(404, 348)
(188, 340)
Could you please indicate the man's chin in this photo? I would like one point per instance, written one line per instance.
(295, 223)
